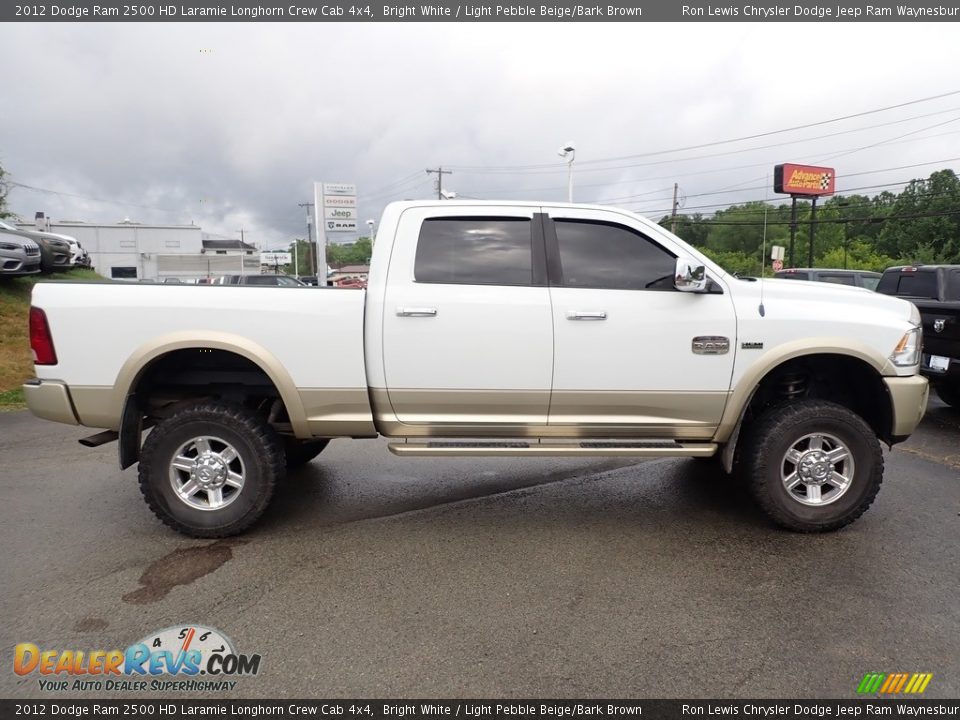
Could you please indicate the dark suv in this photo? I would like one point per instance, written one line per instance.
(856, 278)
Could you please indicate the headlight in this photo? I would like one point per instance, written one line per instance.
(907, 351)
(10, 246)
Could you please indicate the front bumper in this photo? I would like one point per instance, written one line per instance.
(908, 399)
(50, 400)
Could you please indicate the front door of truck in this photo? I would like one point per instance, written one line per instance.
(467, 328)
(627, 358)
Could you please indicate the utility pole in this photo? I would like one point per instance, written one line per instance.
(673, 215)
(241, 252)
(440, 173)
(309, 234)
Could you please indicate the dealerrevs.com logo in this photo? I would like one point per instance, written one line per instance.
(190, 658)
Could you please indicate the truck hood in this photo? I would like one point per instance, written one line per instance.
(808, 297)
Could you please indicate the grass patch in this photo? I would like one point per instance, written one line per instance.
(16, 360)
(12, 400)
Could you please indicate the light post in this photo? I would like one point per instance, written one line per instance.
(568, 151)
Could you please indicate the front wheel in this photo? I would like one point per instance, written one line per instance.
(209, 469)
(812, 465)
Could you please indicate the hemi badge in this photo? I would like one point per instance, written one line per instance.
(751, 346)
(710, 345)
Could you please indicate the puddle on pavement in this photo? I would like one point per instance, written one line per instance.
(181, 567)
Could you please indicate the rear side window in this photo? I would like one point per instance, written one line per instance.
(474, 251)
(612, 257)
(261, 280)
(919, 284)
(837, 278)
(869, 281)
(791, 276)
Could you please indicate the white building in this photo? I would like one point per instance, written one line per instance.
(129, 250)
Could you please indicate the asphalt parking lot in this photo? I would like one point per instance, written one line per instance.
(375, 576)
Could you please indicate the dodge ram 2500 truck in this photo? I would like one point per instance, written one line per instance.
(508, 328)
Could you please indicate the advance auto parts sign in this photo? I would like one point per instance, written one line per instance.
(809, 180)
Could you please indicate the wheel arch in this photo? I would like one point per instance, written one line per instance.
(864, 391)
(146, 357)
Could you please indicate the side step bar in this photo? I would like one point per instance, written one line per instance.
(551, 448)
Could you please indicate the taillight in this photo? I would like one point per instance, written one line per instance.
(41, 342)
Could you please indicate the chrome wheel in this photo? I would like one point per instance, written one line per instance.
(817, 469)
(207, 473)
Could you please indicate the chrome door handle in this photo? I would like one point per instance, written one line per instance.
(416, 312)
(586, 315)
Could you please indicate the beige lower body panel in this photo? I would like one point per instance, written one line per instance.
(572, 414)
(908, 396)
(338, 412)
(50, 400)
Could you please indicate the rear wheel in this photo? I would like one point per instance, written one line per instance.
(949, 393)
(812, 465)
(209, 469)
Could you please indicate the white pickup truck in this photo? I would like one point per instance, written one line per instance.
(488, 329)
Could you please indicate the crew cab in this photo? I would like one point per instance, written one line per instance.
(935, 290)
(517, 329)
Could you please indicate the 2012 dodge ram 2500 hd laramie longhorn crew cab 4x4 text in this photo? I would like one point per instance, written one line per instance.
(489, 329)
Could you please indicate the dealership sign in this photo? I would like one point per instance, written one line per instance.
(339, 189)
(804, 180)
(340, 213)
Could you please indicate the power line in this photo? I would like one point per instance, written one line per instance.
(716, 142)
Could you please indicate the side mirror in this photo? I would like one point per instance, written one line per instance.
(690, 276)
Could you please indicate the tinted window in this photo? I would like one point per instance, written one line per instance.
(869, 281)
(123, 273)
(922, 284)
(837, 278)
(603, 255)
(474, 251)
(261, 280)
(791, 276)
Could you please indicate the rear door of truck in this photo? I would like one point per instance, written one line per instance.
(467, 325)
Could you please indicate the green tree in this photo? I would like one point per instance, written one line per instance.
(357, 253)
(925, 215)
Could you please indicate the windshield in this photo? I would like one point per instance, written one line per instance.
(6, 226)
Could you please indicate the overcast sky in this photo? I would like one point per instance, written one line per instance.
(228, 125)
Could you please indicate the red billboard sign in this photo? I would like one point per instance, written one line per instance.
(807, 180)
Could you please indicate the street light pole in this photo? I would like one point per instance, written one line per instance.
(569, 152)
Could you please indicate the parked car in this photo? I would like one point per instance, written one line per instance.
(253, 279)
(489, 329)
(54, 250)
(18, 255)
(935, 290)
(855, 278)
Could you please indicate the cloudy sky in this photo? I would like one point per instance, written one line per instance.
(228, 125)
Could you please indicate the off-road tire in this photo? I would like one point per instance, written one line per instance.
(764, 449)
(259, 448)
(300, 452)
(949, 393)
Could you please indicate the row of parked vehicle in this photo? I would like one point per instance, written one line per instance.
(28, 252)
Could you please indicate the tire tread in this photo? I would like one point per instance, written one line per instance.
(238, 418)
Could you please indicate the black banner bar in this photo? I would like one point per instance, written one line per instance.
(447, 11)
(481, 709)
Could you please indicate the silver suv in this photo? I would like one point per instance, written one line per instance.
(18, 255)
(54, 250)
